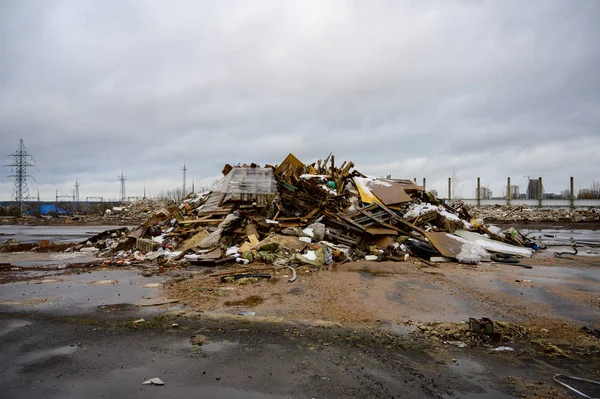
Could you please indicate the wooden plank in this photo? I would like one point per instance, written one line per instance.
(399, 219)
(253, 239)
(201, 221)
(382, 231)
(192, 242)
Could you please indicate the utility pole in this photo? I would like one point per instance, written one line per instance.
(144, 189)
(193, 186)
(122, 179)
(76, 190)
(19, 166)
(184, 170)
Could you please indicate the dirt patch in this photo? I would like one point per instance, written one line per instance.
(250, 301)
(551, 338)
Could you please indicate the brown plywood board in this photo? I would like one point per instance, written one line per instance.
(389, 193)
(445, 244)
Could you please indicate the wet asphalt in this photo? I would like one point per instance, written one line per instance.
(93, 356)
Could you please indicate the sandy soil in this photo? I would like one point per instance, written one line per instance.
(396, 293)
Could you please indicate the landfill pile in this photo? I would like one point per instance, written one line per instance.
(311, 214)
(527, 214)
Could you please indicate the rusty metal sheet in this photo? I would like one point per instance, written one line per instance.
(445, 244)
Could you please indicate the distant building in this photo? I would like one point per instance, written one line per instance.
(514, 192)
(484, 193)
(588, 193)
(534, 189)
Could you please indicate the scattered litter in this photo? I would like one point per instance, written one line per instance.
(153, 381)
(244, 313)
(503, 349)
(458, 344)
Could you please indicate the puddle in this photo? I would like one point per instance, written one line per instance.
(80, 293)
(55, 234)
(49, 260)
(559, 274)
(553, 237)
(560, 306)
(477, 375)
(43, 355)
(218, 346)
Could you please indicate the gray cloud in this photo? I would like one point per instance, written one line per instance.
(408, 88)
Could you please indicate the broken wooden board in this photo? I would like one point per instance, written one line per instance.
(192, 242)
(290, 167)
(445, 244)
(253, 239)
(376, 231)
(246, 246)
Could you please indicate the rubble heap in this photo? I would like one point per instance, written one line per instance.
(521, 213)
(135, 211)
(312, 214)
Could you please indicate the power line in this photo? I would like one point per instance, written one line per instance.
(122, 179)
(19, 166)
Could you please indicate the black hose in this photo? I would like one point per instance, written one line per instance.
(504, 258)
(559, 254)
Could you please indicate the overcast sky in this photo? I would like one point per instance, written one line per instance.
(407, 88)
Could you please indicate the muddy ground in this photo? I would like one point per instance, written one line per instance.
(361, 329)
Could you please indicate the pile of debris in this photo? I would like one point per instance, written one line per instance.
(527, 214)
(313, 214)
(135, 211)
